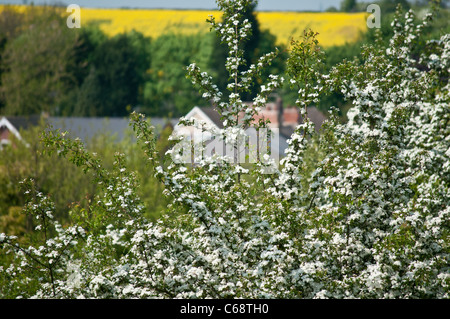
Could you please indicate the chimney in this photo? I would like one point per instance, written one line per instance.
(279, 107)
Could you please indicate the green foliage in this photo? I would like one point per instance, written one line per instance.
(37, 66)
(26, 160)
(93, 75)
(166, 89)
(30, 159)
(13, 222)
(390, 6)
(348, 5)
(305, 66)
(259, 43)
(359, 211)
(42, 263)
(116, 75)
(352, 51)
(10, 26)
(60, 209)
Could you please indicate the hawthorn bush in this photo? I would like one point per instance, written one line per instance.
(368, 219)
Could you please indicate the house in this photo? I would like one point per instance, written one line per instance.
(12, 125)
(286, 119)
(206, 114)
(87, 128)
(84, 128)
(283, 121)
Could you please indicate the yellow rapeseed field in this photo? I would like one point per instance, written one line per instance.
(150, 22)
(333, 28)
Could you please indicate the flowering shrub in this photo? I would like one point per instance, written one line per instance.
(370, 221)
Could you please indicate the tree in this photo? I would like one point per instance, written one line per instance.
(166, 89)
(115, 77)
(370, 221)
(389, 6)
(348, 5)
(331, 9)
(259, 42)
(10, 23)
(37, 66)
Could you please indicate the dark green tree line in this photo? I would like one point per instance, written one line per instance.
(47, 67)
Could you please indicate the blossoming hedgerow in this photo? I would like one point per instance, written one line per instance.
(370, 221)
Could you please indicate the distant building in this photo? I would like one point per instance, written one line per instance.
(284, 120)
(85, 128)
(12, 125)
